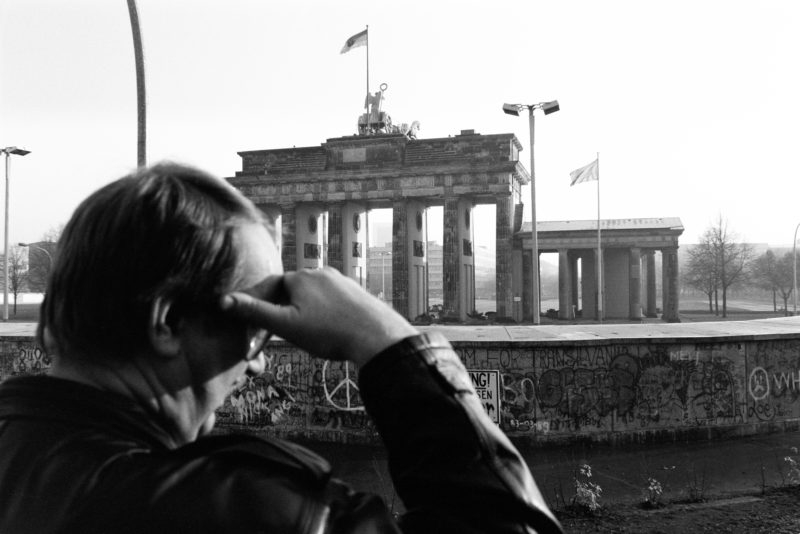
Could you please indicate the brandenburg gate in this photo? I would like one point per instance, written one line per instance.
(318, 197)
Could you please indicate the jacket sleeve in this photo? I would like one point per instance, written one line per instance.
(451, 465)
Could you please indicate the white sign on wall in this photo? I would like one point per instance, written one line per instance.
(487, 386)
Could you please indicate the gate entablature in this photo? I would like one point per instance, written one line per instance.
(385, 168)
(656, 233)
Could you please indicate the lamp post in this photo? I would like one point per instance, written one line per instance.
(515, 109)
(794, 267)
(383, 273)
(141, 99)
(8, 151)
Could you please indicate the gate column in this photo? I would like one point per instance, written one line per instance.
(288, 237)
(635, 284)
(504, 214)
(669, 268)
(650, 256)
(564, 284)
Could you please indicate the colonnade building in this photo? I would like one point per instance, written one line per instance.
(318, 197)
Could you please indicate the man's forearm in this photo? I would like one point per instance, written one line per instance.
(451, 465)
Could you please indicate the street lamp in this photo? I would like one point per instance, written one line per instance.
(383, 273)
(515, 109)
(8, 151)
(794, 267)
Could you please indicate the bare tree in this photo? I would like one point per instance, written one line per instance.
(731, 258)
(17, 272)
(53, 234)
(763, 274)
(784, 279)
(700, 272)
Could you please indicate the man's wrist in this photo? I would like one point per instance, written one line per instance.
(373, 344)
(415, 343)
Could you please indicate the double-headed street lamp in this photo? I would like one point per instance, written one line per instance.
(515, 109)
(8, 151)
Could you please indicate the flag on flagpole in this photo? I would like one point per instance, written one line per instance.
(586, 173)
(359, 39)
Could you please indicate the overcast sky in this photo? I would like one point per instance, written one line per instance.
(693, 106)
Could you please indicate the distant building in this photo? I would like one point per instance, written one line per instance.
(40, 263)
(379, 271)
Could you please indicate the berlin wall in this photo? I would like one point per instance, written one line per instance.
(604, 390)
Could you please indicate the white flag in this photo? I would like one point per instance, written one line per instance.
(584, 174)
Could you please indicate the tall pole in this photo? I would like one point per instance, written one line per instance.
(5, 248)
(535, 305)
(367, 59)
(599, 251)
(141, 101)
(794, 267)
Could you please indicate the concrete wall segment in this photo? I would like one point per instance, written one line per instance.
(558, 384)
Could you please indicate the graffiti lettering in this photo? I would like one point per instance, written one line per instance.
(30, 360)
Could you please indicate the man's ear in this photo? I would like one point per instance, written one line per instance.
(163, 328)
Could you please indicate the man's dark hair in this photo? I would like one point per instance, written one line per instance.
(165, 231)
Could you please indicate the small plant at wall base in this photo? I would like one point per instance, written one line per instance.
(652, 494)
(587, 493)
(794, 467)
(696, 486)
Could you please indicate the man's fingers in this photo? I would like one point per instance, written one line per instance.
(253, 310)
(270, 289)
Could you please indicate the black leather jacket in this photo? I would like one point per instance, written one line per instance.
(77, 459)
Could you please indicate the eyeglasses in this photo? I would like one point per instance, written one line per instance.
(257, 337)
(258, 340)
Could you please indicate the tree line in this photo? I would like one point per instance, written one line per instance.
(720, 263)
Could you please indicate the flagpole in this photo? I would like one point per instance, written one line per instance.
(599, 251)
(367, 59)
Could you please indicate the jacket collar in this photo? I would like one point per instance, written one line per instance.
(48, 398)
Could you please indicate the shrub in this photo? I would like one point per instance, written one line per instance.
(652, 493)
(587, 493)
(794, 467)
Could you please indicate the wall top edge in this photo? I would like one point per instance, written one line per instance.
(587, 334)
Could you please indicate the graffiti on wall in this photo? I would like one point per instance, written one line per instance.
(297, 392)
(773, 381)
(30, 360)
(615, 387)
(540, 390)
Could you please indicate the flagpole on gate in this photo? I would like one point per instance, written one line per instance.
(599, 251)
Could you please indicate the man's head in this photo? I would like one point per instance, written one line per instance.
(164, 233)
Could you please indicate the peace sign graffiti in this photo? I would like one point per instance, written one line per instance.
(343, 394)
